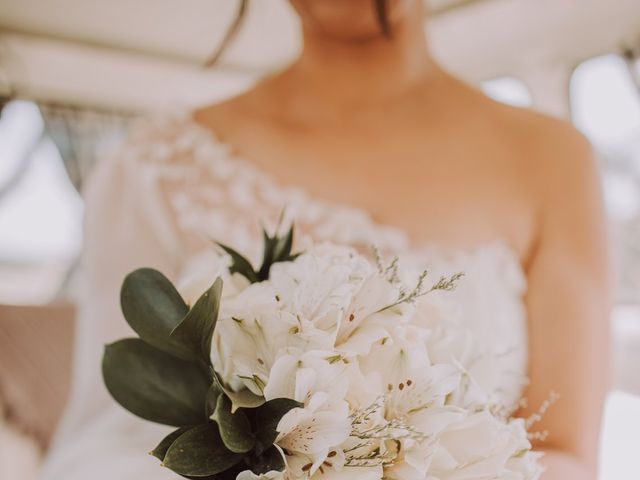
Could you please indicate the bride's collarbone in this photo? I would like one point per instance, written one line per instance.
(438, 189)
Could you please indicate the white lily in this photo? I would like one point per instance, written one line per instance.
(415, 391)
(201, 271)
(389, 388)
(329, 470)
(318, 381)
(300, 375)
(409, 379)
(369, 303)
(271, 475)
(319, 285)
(478, 446)
(313, 431)
(246, 348)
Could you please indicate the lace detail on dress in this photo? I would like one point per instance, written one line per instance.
(212, 194)
(213, 191)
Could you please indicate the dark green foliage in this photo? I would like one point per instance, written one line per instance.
(200, 452)
(195, 331)
(267, 418)
(211, 401)
(166, 376)
(242, 399)
(153, 308)
(161, 450)
(154, 385)
(235, 429)
(276, 249)
(271, 459)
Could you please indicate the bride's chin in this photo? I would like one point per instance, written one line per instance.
(350, 20)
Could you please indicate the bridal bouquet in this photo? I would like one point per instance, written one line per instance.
(317, 365)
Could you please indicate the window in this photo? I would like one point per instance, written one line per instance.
(606, 107)
(508, 90)
(40, 211)
(605, 102)
(47, 152)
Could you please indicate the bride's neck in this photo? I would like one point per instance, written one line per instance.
(346, 74)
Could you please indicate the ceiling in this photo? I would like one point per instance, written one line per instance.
(58, 46)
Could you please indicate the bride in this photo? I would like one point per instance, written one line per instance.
(365, 140)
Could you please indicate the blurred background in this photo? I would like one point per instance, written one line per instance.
(75, 73)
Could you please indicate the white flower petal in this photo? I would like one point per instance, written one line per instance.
(271, 475)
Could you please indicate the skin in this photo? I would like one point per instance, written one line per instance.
(374, 122)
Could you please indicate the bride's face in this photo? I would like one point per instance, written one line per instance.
(349, 19)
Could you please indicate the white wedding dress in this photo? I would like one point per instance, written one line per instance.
(159, 201)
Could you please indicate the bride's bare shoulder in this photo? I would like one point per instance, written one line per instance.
(542, 138)
(546, 146)
(556, 161)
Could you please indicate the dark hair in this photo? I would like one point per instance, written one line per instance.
(230, 35)
(383, 17)
(380, 7)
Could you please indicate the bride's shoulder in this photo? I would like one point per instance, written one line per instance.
(541, 143)
(554, 158)
(543, 136)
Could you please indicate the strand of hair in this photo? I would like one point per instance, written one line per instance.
(383, 16)
(230, 35)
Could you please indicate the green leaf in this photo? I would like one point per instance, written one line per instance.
(196, 329)
(153, 307)
(234, 428)
(267, 255)
(239, 264)
(242, 399)
(228, 474)
(212, 398)
(161, 450)
(276, 249)
(200, 452)
(155, 385)
(267, 418)
(282, 248)
(269, 460)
